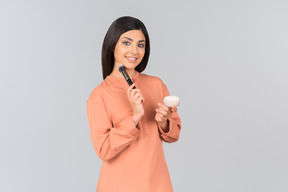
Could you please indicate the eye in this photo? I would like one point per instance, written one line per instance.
(141, 45)
(126, 42)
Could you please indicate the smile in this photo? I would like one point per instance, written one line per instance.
(131, 58)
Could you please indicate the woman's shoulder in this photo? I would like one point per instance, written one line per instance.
(153, 83)
(98, 91)
(151, 78)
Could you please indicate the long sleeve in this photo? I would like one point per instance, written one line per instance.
(108, 141)
(133, 159)
(174, 122)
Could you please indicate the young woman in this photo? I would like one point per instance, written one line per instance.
(127, 125)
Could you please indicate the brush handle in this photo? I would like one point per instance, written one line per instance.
(129, 81)
(126, 76)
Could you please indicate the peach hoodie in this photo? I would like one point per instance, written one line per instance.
(133, 158)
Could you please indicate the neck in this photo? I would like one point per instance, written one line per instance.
(130, 72)
(116, 73)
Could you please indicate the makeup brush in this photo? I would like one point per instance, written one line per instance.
(121, 68)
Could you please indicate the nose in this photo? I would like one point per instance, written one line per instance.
(134, 49)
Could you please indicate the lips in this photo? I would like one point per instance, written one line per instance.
(131, 59)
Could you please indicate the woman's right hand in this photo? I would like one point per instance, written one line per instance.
(136, 100)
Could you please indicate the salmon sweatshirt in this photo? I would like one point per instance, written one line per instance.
(133, 157)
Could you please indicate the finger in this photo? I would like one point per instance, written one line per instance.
(174, 109)
(162, 116)
(163, 106)
(137, 97)
(131, 86)
(132, 92)
(164, 113)
(141, 99)
(129, 90)
(135, 93)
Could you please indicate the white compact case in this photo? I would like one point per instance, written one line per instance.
(171, 101)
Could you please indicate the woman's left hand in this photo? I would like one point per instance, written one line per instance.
(163, 113)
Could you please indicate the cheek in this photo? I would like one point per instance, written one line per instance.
(119, 52)
(142, 53)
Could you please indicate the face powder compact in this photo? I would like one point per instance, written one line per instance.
(171, 101)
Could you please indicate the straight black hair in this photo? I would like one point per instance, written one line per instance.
(117, 28)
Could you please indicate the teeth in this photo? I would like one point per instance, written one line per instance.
(131, 58)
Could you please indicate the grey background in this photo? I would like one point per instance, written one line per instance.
(226, 60)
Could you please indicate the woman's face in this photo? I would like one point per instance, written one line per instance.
(130, 49)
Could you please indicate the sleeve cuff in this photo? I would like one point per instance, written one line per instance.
(128, 125)
(164, 134)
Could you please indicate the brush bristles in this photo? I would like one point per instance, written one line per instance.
(121, 68)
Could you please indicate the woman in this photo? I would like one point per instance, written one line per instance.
(127, 125)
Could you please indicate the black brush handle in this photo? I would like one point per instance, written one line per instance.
(129, 82)
(126, 76)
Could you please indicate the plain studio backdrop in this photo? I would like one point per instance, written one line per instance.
(226, 60)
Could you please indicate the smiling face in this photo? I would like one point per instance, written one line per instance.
(130, 49)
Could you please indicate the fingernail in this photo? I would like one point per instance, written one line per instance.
(159, 104)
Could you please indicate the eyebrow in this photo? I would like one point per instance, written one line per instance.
(132, 39)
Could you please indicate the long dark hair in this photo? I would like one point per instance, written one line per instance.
(117, 28)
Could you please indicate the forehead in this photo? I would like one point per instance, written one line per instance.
(136, 35)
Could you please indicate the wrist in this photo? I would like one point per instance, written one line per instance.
(136, 119)
(164, 125)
